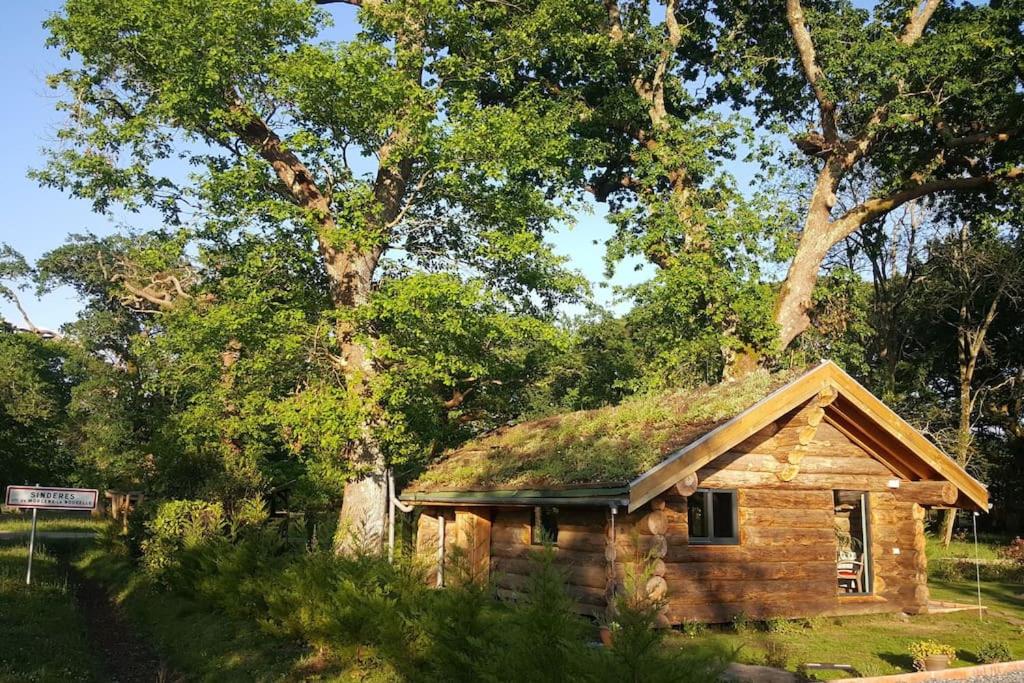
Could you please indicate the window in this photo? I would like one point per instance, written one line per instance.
(712, 517)
(853, 542)
(545, 526)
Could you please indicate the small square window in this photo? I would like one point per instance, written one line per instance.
(545, 526)
(712, 517)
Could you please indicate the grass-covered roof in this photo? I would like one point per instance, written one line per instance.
(603, 447)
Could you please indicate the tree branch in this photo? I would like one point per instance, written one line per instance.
(919, 18)
(879, 206)
(812, 72)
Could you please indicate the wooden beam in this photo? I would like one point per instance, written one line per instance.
(928, 493)
(687, 486)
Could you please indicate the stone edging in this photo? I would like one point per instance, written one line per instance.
(957, 674)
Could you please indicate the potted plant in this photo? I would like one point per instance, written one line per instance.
(607, 631)
(931, 656)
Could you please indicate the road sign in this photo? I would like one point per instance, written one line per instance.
(51, 498)
(48, 498)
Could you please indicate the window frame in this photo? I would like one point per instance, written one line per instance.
(537, 524)
(711, 538)
(867, 559)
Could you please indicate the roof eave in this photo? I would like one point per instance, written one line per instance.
(610, 496)
(696, 454)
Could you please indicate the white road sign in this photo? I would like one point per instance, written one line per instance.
(51, 498)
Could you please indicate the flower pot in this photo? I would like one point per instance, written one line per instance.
(936, 662)
(606, 636)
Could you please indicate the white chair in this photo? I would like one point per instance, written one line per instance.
(851, 575)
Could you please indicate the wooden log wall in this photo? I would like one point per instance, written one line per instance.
(427, 537)
(580, 553)
(785, 562)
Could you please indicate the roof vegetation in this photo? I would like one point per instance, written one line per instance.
(603, 447)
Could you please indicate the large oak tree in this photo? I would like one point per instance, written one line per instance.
(232, 116)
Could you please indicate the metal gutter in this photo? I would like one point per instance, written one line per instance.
(600, 496)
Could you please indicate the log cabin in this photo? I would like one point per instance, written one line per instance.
(779, 495)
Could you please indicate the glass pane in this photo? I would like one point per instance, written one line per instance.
(852, 560)
(722, 503)
(697, 515)
(545, 526)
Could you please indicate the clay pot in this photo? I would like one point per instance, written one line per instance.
(936, 662)
(606, 636)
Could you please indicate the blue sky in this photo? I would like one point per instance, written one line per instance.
(37, 219)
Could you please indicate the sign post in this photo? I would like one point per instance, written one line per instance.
(31, 547)
(38, 498)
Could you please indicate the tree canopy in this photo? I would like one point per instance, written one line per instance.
(337, 263)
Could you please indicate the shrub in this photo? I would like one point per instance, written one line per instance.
(179, 525)
(962, 569)
(740, 622)
(776, 654)
(780, 625)
(922, 649)
(1014, 550)
(947, 570)
(693, 628)
(994, 652)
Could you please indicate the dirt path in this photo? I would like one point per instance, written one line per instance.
(126, 657)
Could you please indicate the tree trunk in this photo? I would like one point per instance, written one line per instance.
(362, 520)
(948, 520)
(795, 297)
(963, 431)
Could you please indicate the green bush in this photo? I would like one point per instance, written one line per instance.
(776, 654)
(994, 652)
(179, 525)
(693, 628)
(961, 569)
(373, 617)
(920, 650)
(780, 625)
(740, 622)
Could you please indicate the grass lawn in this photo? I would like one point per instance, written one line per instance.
(42, 636)
(877, 644)
(988, 548)
(51, 520)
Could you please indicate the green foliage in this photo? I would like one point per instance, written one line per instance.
(179, 525)
(693, 629)
(922, 649)
(994, 652)
(781, 625)
(776, 654)
(364, 614)
(33, 401)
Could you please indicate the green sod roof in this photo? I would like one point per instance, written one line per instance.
(595, 448)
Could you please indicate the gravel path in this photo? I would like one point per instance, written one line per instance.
(1012, 677)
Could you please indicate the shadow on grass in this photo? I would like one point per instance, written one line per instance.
(901, 660)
